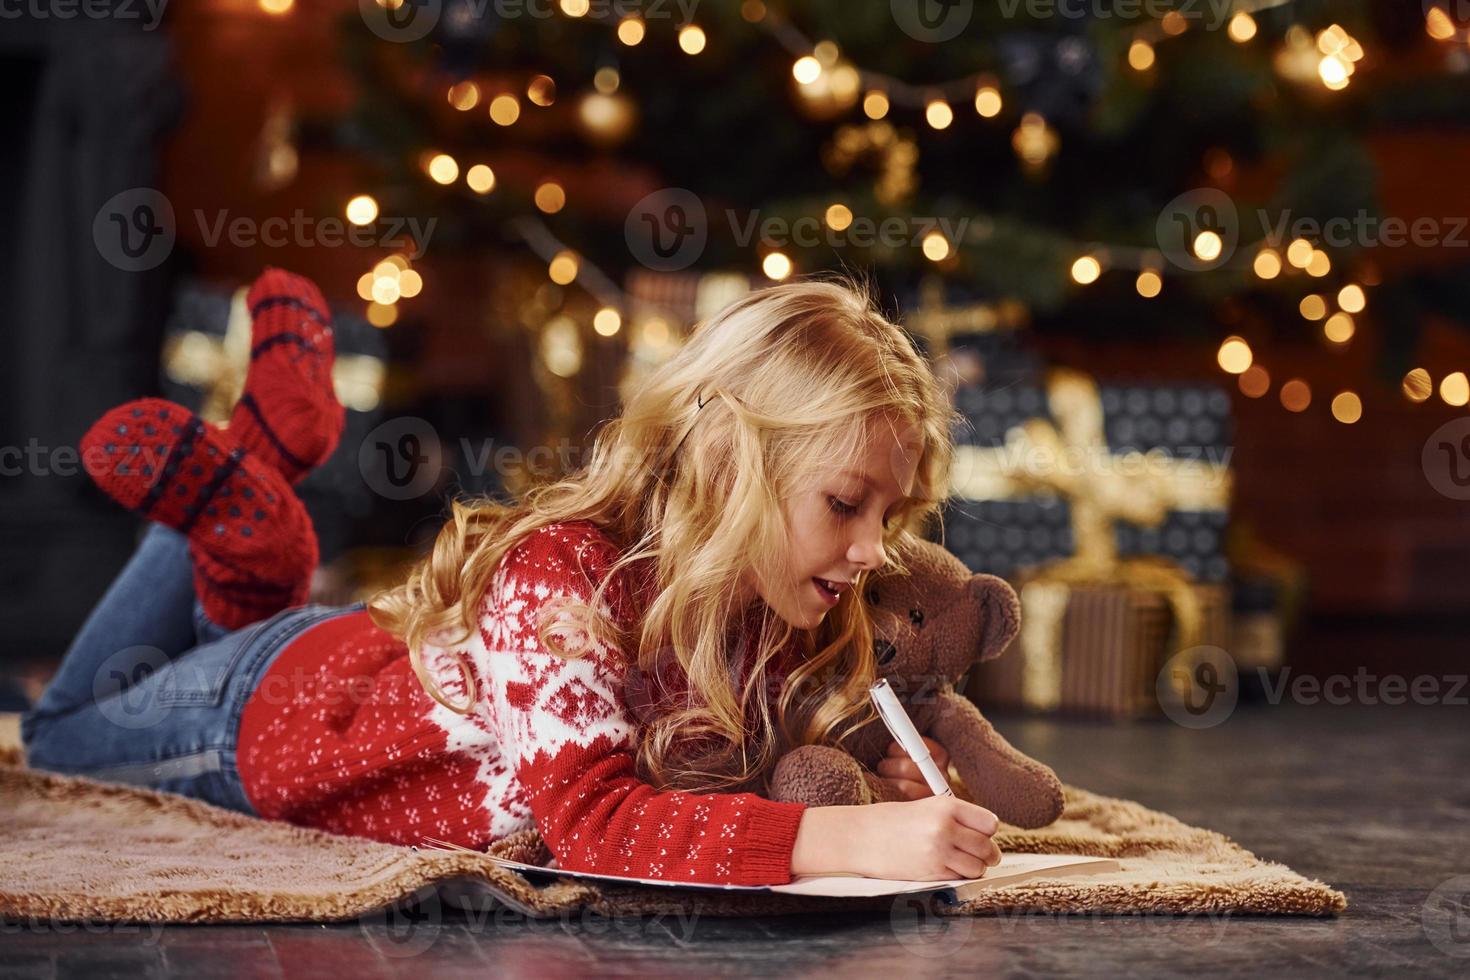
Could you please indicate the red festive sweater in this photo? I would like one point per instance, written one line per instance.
(340, 735)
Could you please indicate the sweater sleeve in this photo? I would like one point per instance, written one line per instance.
(565, 727)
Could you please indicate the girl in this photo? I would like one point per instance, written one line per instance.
(618, 660)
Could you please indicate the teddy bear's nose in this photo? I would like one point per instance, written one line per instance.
(883, 651)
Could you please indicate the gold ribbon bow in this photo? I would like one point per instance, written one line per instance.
(1071, 459)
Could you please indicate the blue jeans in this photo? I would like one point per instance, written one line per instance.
(150, 691)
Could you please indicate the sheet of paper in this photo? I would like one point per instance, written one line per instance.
(1012, 868)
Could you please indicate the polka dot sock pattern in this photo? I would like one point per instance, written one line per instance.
(251, 540)
(288, 414)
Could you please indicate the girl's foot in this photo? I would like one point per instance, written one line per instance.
(251, 540)
(288, 414)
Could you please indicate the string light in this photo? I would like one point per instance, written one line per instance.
(464, 96)
(1207, 246)
(1254, 381)
(1455, 389)
(938, 114)
(1267, 263)
(1234, 355)
(1350, 298)
(1418, 385)
(480, 178)
(631, 31)
(1347, 407)
(1296, 395)
(1299, 253)
(362, 210)
(1318, 265)
(277, 7)
(988, 101)
(936, 247)
(839, 217)
(1149, 284)
(505, 110)
(607, 321)
(1086, 270)
(776, 266)
(563, 268)
(1242, 27)
(875, 105)
(1140, 55)
(443, 169)
(541, 91)
(692, 39)
(1338, 328)
(1312, 307)
(806, 70)
(550, 197)
(382, 315)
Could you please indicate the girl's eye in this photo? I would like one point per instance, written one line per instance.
(842, 508)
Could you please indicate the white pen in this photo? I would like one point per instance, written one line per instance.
(901, 727)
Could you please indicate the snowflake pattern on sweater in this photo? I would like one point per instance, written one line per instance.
(549, 742)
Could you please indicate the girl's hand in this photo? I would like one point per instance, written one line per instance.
(903, 773)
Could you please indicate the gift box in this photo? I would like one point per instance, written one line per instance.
(1096, 650)
(1154, 458)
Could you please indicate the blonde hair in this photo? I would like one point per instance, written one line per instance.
(790, 376)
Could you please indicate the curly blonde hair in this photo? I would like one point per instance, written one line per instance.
(790, 376)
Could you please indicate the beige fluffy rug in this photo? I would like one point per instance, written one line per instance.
(74, 849)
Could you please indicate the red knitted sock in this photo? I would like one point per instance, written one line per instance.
(288, 414)
(250, 538)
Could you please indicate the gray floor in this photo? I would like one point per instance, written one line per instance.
(1373, 800)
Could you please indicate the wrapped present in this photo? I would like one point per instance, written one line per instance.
(1269, 589)
(1097, 625)
(1095, 650)
(1036, 463)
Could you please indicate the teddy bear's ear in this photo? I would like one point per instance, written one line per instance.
(1000, 613)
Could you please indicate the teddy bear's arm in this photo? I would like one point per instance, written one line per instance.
(1012, 785)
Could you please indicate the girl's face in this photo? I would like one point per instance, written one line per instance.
(837, 523)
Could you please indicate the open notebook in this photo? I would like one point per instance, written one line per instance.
(1013, 868)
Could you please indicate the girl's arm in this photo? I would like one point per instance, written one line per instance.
(564, 726)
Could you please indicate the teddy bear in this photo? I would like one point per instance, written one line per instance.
(930, 625)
